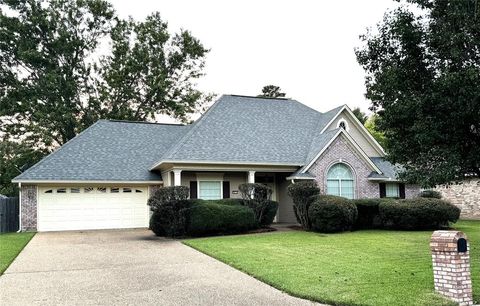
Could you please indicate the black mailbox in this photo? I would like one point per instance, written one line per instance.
(462, 245)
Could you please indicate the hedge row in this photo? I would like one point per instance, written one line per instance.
(406, 214)
(214, 217)
(175, 216)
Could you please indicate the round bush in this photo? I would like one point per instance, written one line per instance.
(418, 214)
(168, 205)
(430, 194)
(330, 214)
(156, 225)
(210, 218)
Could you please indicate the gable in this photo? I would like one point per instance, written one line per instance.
(353, 147)
(358, 132)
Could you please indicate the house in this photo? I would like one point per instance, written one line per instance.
(103, 177)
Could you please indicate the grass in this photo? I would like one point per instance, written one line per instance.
(355, 268)
(11, 245)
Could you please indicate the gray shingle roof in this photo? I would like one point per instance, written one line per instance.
(108, 151)
(251, 129)
(235, 129)
(389, 171)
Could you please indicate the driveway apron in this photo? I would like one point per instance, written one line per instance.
(126, 267)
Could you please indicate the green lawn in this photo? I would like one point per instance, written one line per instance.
(354, 268)
(10, 246)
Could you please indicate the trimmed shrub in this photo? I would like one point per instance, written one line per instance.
(228, 201)
(212, 218)
(269, 214)
(330, 214)
(302, 194)
(368, 213)
(430, 194)
(257, 197)
(156, 225)
(169, 205)
(418, 214)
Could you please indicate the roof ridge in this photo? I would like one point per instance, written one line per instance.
(257, 97)
(143, 122)
(189, 132)
(69, 142)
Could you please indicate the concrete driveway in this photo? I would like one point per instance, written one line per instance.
(127, 267)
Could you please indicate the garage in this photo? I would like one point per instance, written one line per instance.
(92, 207)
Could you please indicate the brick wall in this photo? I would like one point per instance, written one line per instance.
(465, 195)
(29, 207)
(342, 151)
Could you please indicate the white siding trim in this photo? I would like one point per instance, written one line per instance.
(360, 126)
(352, 141)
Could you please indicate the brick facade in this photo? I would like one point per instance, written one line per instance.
(465, 195)
(451, 268)
(28, 207)
(342, 151)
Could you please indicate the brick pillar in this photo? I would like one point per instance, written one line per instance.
(451, 266)
(29, 207)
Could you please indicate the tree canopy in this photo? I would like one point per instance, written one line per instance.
(422, 77)
(65, 64)
(272, 91)
(361, 116)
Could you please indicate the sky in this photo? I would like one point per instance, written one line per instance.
(305, 47)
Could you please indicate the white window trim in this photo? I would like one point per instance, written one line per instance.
(340, 183)
(359, 125)
(206, 180)
(342, 120)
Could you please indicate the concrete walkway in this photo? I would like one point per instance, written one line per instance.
(127, 267)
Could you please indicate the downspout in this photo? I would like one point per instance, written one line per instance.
(19, 207)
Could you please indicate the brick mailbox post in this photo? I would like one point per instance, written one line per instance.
(451, 266)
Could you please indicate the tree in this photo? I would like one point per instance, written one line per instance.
(15, 158)
(361, 116)
(371, 125)
(58, 74)
(271, 91)
(423, 76)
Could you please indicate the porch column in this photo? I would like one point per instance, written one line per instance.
(251, 177)
(177, 177)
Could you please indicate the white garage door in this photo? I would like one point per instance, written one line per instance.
(82, 208)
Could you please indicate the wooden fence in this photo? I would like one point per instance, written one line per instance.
(9, 208)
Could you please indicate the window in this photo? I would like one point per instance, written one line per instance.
(49, 191)
(210, 190)
(74, 190)
(392, 190)
(340, 181)
(88, 189)
(127, 189)
(62, 190)
(342, 124)
(114, 190)
(138, 191)
(101, 189)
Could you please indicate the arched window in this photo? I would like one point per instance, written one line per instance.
(340, 181)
